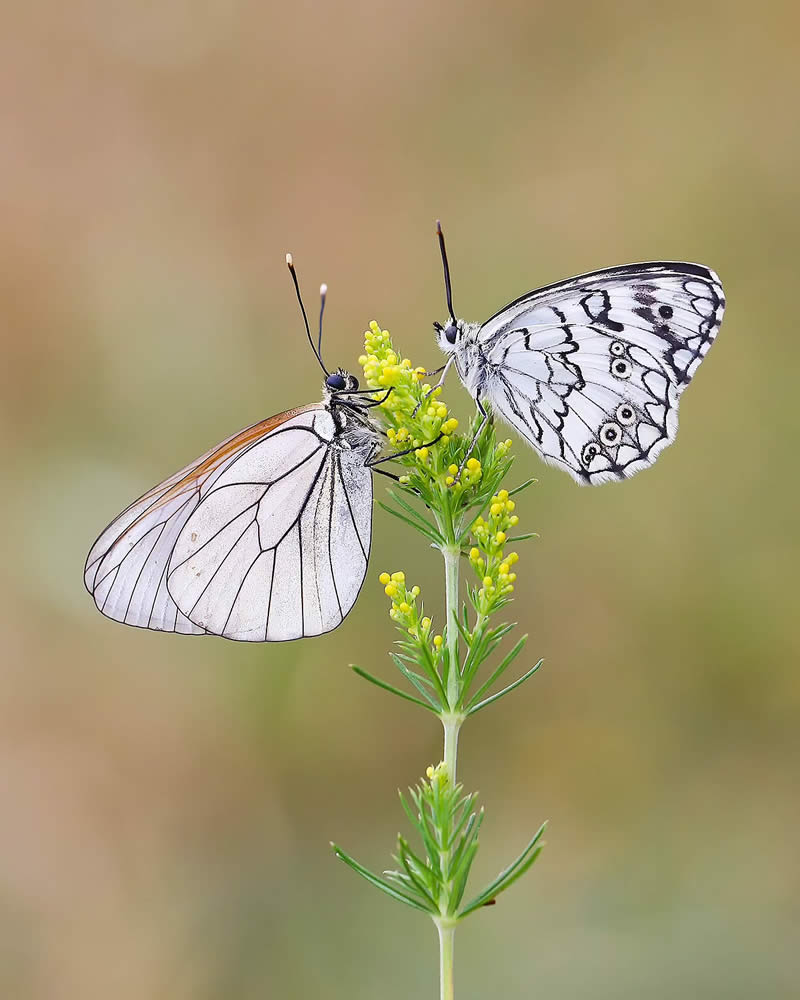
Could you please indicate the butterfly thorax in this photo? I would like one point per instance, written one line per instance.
(354, 428)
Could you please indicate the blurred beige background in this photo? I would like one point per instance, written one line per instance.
(167, 802)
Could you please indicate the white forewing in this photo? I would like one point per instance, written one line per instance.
(265, 536)
(279, 547)
(589, 370)
(125, 570)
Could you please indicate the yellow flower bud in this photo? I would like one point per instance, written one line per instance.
(510, 505)
(422, 454)
(452, 469)
(399, 577)
(500, 537)
(502, 495)
(405, 608)
(390, 590)
(437, 641)
(496, 510)
(384, 578)
(504, 568)
(474, 555)
(449, 481)
(487, 581)
(473, 464)
(415, 591)
(426, 623)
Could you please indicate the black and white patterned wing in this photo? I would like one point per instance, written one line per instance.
(590, 370)
(278, 548)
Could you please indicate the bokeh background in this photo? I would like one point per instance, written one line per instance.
(167, 802)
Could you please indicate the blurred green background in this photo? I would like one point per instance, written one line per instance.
(167, 802)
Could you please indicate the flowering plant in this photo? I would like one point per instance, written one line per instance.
(452, 494)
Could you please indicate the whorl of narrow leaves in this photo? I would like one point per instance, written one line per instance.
(434, 879)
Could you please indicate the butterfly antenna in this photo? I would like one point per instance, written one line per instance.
(290, 265)
(448, 289)
(323, 295)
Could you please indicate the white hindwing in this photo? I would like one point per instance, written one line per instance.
(265, 537)
(589, 370)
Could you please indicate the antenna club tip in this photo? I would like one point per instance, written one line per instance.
(323, 290)
(289, 260)
(438, 227)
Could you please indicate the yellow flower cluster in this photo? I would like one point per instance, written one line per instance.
(492, 565)
(438, 774)
(404, 611)
(385, 369)
(470, 475)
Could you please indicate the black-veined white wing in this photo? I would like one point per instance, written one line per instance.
(278, 549)
(589, 370)
(306, 503)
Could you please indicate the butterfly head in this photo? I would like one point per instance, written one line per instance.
(449, 335)
(340, 381)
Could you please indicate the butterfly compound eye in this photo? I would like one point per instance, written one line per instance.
(451, 333)
(335, 381)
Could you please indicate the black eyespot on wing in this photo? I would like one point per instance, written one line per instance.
(665, 312)
(589, 453)
(626, 414)
(610, 433)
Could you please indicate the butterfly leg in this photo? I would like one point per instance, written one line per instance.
(444, 369)
(399, 454)
(367, 392)
(485, 419)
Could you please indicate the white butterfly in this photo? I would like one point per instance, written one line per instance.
(264, 538)
(590, 370)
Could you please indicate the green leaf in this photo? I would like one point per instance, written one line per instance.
(524, 538)
(417, 871)
(459, 883)
(413, 512)
(504, 664)
(413, 524)
(522, 486)
(421, 825)
(418, 681)
(380, 883)
(506, 690)
(509, 875)
(431, 707)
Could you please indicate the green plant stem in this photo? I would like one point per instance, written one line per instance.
(447, 933)
(451, 723)
(451, 554)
